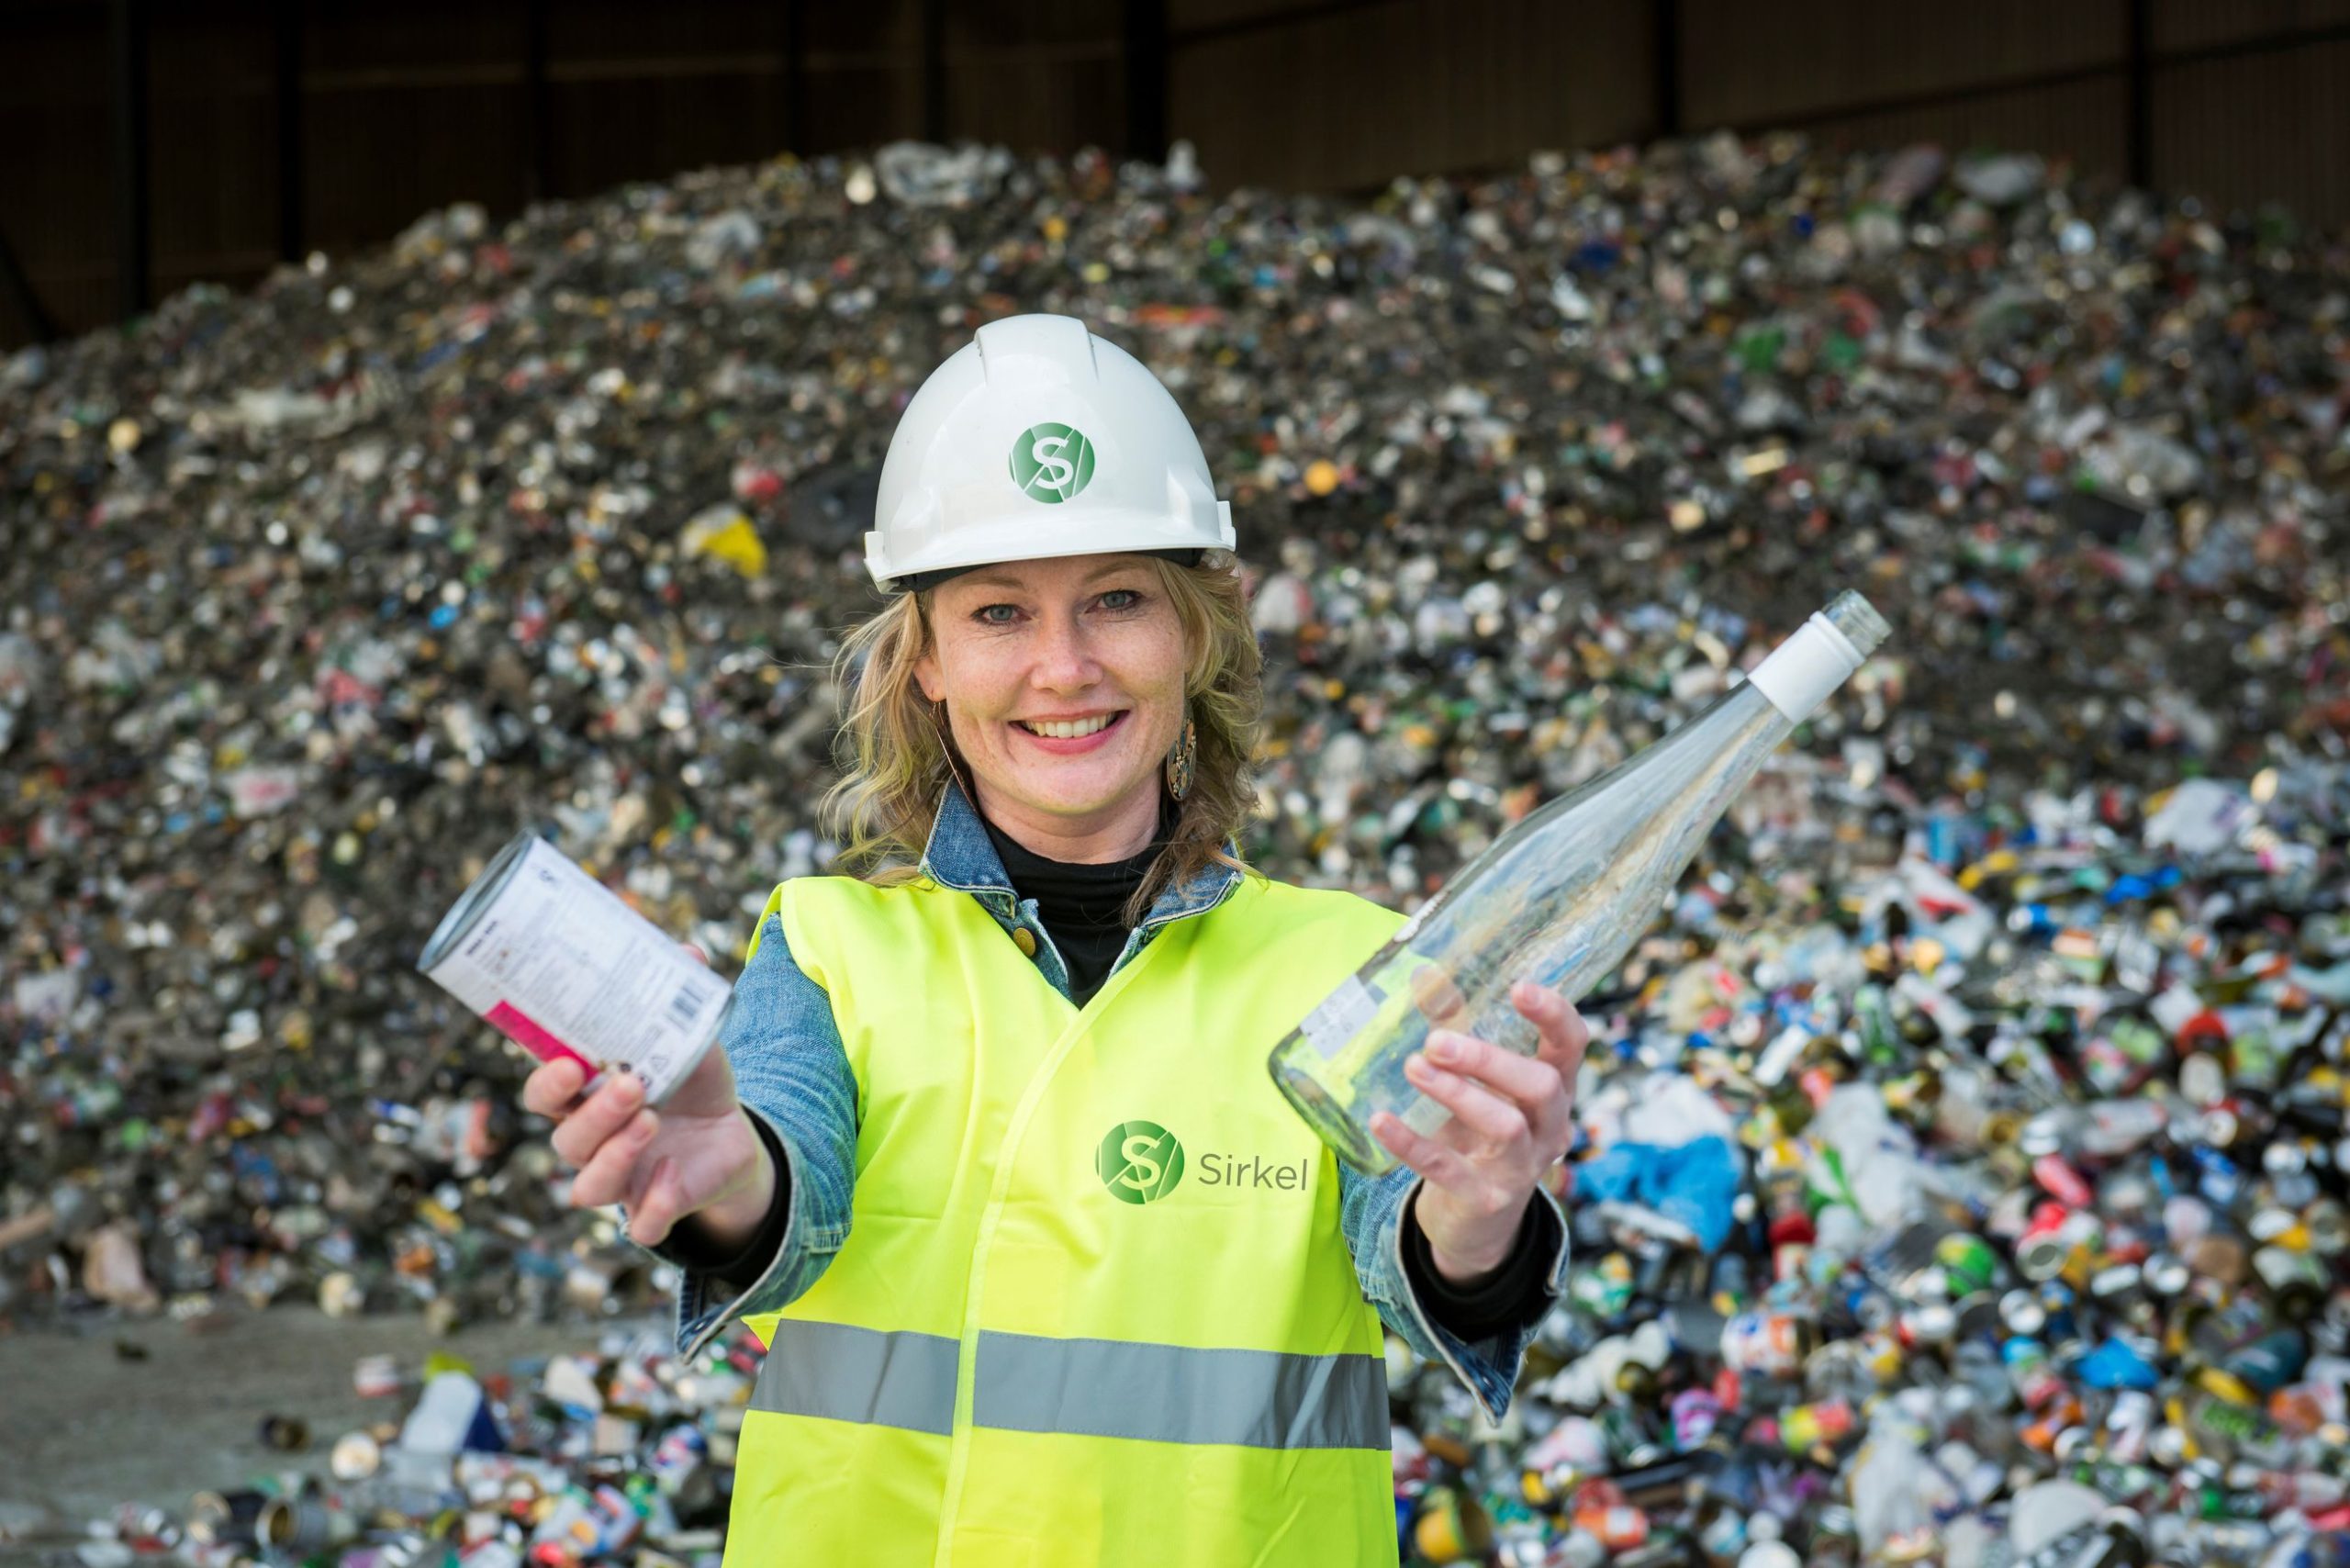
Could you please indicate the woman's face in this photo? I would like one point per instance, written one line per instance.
(1063, 682)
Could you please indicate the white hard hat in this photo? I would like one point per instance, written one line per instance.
(1038, 440)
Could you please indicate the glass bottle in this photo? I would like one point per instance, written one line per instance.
(1559, 899)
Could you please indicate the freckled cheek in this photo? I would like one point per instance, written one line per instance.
(985, 691)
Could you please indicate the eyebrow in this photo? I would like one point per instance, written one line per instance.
(999, 579)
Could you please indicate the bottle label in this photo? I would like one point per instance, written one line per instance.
(1341, 1016)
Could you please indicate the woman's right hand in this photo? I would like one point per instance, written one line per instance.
(697, 1155)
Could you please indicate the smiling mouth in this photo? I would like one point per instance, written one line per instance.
(1073, 729)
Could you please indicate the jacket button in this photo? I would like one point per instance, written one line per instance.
(1025, 940)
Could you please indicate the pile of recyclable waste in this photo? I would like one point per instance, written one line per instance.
(1963, 1164)
(1988, 1210)
(610, 1455)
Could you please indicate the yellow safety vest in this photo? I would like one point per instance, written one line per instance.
(1095, 1306)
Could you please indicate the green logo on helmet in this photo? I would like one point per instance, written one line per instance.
(1139, 1161)
(1051, 463)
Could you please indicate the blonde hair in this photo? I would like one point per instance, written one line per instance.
(895, 754)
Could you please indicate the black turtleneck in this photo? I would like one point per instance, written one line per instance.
(1083, 907)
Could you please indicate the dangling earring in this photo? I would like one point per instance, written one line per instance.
(1183, 759)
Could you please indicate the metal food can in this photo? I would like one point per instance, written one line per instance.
(287, 1434)
(376, 1377)
(303, 1525)
(561, 966)
(225, 1519)
(356, 1456)
(1766, 1344)
(1967, 1261)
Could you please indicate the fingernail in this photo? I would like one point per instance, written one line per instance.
(1443, 1047)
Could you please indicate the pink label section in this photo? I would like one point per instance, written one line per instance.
(525, 1031)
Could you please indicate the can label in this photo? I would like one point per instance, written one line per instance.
(562, 967)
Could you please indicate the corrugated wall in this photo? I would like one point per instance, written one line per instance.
(54, 206)
(2263, 114)
(400, 107)
(1348, 96)
(2029, 73)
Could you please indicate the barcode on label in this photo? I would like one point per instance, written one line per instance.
(1341, 1014)
(685, 1007)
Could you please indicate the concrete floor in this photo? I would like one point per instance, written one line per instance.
(83, 1428)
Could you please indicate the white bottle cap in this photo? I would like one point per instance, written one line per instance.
(1802, 671)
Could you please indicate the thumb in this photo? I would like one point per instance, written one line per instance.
(699, 957)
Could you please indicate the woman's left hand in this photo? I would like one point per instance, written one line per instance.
(1513, 1118)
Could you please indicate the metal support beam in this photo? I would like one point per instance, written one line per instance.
(292, 219)
(1667, 85)
(795, 76)
(933, 69)
(133, 169)
(538, 111)
(2139, 137)
(1145, 56)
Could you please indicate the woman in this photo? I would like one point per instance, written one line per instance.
(1047, 1271)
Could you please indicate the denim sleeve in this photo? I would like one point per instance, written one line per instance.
(790, 1072)
(1371, 1213)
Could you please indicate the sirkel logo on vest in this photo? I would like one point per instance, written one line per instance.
(1140, 1162)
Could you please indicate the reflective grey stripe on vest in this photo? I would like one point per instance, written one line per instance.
(859, 1374)
(1100, 1388)
(1171, 1394)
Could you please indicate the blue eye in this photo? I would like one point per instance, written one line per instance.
(1132, 597)
(986, 614)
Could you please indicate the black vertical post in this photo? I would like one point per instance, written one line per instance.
(287, 16)
(1146, 52)
(2140, 142)
(126, 46)
(934, 70)
(795, 76)
(538, 145)
(1667, 89)
(17, 290)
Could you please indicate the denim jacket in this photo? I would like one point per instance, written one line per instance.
(791, 1072)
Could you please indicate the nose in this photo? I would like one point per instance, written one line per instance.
(1064, 660)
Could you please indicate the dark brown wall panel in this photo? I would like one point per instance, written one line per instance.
(629, 29)
(1183, 16)
(865, 29)
(1756, 64)
(607, 130)
(2199, 24)
(55, 207)
(1039, 98)
(409, 104)
(861, 105)
(376, 153)
(415, 37)
(407, 108)
(1350, 100)
(2082, 122)
(214, 143)
(1014, 24)
(2273, 127)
